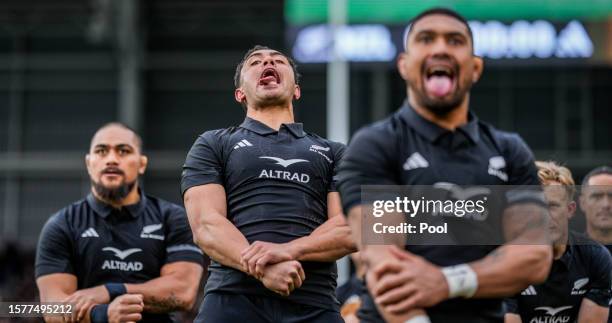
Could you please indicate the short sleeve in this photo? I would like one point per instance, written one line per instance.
(522, 169)
(338, 149)
(600, 288)
(54, 253)
(179, 241)
(524, 184)
(511, 306)
(203, 163)
(366, 162)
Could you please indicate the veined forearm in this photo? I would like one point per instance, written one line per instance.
(222, 242)
(331, 241)
(165, 294)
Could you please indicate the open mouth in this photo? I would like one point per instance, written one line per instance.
(440, 80)
(269, 76)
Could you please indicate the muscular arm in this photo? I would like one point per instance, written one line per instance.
(175, 289)
(375, 254)
(523, 261)
(56, 288)
(402, 281)
(590, 312)
(511, 268)
(223, 242)
(207, 212)
(376, 249)
(330, 241)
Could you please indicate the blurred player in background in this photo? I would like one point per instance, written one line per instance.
(119, 255)
(596, 203)
(578, 286)
(349, 293)
(434, 138)
(262, 203)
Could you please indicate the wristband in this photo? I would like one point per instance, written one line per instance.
(115, 289)
(99, 313)
(462, 281)
(419, 319)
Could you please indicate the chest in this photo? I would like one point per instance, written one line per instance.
(423, 163)
(559, 297)
(281, 158)
(109, 247)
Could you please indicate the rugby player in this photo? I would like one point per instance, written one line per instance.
(262, 203)
(578, 286)
(596, 203)
(118, 255)
(434, 138)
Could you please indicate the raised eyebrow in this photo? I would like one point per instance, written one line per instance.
(260, 55)
(252, 55)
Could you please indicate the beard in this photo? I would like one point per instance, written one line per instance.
(114, 194)
(442, 107)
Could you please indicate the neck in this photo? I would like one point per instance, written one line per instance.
(132, 198)
(600, 235)
(559, 249)
(272, 116)
(453, 119)
(560, 245)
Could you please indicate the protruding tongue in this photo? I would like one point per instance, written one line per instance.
(438, 85)
(267, 80)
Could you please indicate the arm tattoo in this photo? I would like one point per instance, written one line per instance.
(163, 305)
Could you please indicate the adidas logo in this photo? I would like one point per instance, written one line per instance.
(90, 233)
(529, 291)
(243, 143)
(415, 160)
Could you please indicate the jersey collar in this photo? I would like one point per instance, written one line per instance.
(568, 256)
(432, 131)
(297, 129)
(104, 210)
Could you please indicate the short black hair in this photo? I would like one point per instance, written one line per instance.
(237, 74)
(438, 11)
(596, 171)
(120, 125)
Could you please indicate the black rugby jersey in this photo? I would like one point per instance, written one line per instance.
(276, 184)
(100, 244)
(582, 272)
(407, 149)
